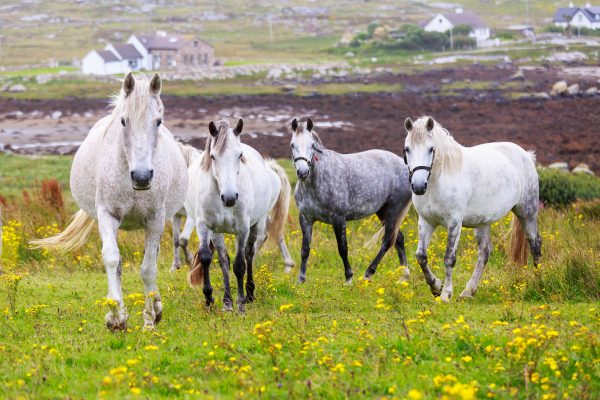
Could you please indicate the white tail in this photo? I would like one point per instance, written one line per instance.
(282, 206)
(377, 236)
(73, 237)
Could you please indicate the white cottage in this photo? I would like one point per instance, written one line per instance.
(102, 62)
(578, 17)
(445, 22)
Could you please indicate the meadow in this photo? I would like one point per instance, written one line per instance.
(530, 333)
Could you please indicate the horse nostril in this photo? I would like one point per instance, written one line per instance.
(222, 197)
(237, 195)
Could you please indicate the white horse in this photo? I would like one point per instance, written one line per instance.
(235, 189)
(456, 186)
(181, 238)
(129, 174)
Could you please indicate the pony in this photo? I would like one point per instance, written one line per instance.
(334, 188)
(234, 190)
(128, 174)
(456, 186)
(193, 158)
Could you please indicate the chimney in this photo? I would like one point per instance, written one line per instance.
(588, 4)
(571, 5)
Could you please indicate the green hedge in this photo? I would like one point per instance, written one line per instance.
(560, 189)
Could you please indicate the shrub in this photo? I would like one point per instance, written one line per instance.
(554, 29)
(464, 42)
(461, 30)
(556, 188)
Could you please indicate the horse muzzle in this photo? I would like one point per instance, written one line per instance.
(142, 179)
(419, 189)
(303, 174)
(229, 199)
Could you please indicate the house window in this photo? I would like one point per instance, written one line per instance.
(133, 63)
(205, 58)
(170, 61)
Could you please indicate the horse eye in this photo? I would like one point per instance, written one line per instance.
(158, 122)
(406, 150)
(241, 155)
(211, 156)
(431, 150)
(123, 121)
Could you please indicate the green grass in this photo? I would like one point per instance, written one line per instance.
(321, 339)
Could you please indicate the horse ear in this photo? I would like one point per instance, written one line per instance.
(430, 124)
(238, 128)
(155, 85)
(128, 84)
(408, 124)
(294, 125)
(212, 128)
(309, 125)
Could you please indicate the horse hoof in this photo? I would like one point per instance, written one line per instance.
(116, 322)
(227, 307)
(405, 276)
(241, 308)
(250, 298)
(175, 268)
(436, 287)
(445, 297)
(157, 311)
(366, 278)
(467, 294)
(348, 282)
(148, 327)
(288, 269)
(302, 279)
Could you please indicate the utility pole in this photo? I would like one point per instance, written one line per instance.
(527, 10)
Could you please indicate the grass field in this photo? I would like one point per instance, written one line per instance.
(528, 334)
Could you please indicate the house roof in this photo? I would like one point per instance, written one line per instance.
(466, 18)
(591, 12)
(107, 55)
(165, 42)
(127, 51)
(563, 13)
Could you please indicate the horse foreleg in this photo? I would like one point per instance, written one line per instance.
(306, 227)
(256, 233)
(239, 266)
(219, 242)
(484, 248)
(425, 232)
(454, 230)
(176, 222)
(206, 256)
(153, 308)
(339, 228)
(184, 238)
(116, 319)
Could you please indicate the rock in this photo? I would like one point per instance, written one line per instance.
(561, 166)
(573, 89)
(559, 88)
(583, 169)
(14, 114)
(43, 79)
(18, 88)
(541, 95)
(289, 88)
(454, 107)
(56, 114)
(349, 54)
(518, 76)
(592, 91)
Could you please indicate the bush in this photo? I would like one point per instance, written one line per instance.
(464, 42)
(461, 30)
(560, 189)
(554, 29)
(556, 188)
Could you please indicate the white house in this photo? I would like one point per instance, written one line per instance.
(103, 62)
(150, 52)
(578, 17)
(445, 22)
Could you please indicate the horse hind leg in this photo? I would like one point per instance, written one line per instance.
(176, 222)
(388, 219)
(184, 238)
(484, 246)
(257, 234)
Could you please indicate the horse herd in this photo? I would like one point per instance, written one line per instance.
(130, 173)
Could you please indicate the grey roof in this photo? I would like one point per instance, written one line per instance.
(127, 51)
(591, 12)
(107, 55)
(168, 42)
(466, 18)
(562, 13)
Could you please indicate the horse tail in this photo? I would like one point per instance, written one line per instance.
(73, 237)
(377, 236)
(196, 274)
(282, 205)
(518, 248)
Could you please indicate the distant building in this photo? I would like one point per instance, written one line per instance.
(150, 52)
(587, 16)
(446, 22)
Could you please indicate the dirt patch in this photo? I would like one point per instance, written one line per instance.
(562, 129)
